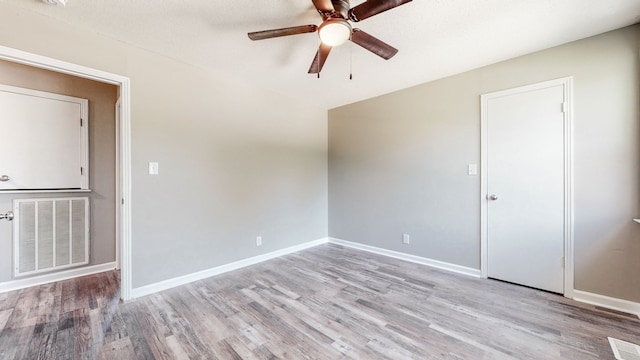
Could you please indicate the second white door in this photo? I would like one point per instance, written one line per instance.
(525, 185)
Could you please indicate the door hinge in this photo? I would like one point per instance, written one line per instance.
(562, 262)
(122, 201)
(81, 170)
(564, 107)
(81, 122)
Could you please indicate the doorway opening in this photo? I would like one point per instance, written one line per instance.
(123, 147)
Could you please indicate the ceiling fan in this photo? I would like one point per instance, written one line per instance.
(335, 29)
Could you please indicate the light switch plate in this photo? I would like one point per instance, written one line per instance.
(472, 169)
(153, 168)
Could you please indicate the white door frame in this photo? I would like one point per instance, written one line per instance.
(568, 175)
(123, 138)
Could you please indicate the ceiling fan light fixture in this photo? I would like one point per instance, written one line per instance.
(334, 32)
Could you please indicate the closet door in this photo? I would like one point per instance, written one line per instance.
(44, 140)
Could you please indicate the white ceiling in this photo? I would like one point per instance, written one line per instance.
(436, 38)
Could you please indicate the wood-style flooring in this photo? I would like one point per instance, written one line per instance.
(328, 302)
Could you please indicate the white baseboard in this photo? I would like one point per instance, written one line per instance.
(607, 302)
(57, 276)
(582, 296)
(407, 257)
(185, 279)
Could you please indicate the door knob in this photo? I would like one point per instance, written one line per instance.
(8, 216)
(4, 178)
(492, 197)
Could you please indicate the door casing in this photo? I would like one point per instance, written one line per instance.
(567, 83)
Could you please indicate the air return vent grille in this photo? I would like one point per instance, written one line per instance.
(624, 350)
(50, 234)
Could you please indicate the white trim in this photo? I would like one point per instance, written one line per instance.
(407, 257)
(43, 62)
(123, 82)
(57, 276)
(126, 273)
(569, 271)
(567, 83)
(484, 160)
(607, 302)
(56, 191)
(118, 198)
(185, 279)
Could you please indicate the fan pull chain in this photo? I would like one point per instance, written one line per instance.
(350, 58)
(319, 61)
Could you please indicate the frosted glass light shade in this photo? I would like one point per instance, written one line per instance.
(334, 32)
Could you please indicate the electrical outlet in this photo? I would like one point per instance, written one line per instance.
(259, 241)
(405, 239)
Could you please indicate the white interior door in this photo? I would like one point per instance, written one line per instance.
(525, 185)
(45, 136)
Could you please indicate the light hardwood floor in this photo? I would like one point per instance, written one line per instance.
(327, 302)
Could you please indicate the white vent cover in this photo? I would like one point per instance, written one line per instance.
(50, 234)
(624, 350)
(61, 3)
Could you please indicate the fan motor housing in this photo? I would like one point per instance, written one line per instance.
(341, 7)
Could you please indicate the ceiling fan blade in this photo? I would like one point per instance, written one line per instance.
(373, 44)
(295, 30)
(373, 7)
(321, 57)
(323, 6)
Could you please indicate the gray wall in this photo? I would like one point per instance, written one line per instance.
(102, 162)
(235, 161)
(397, 163)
